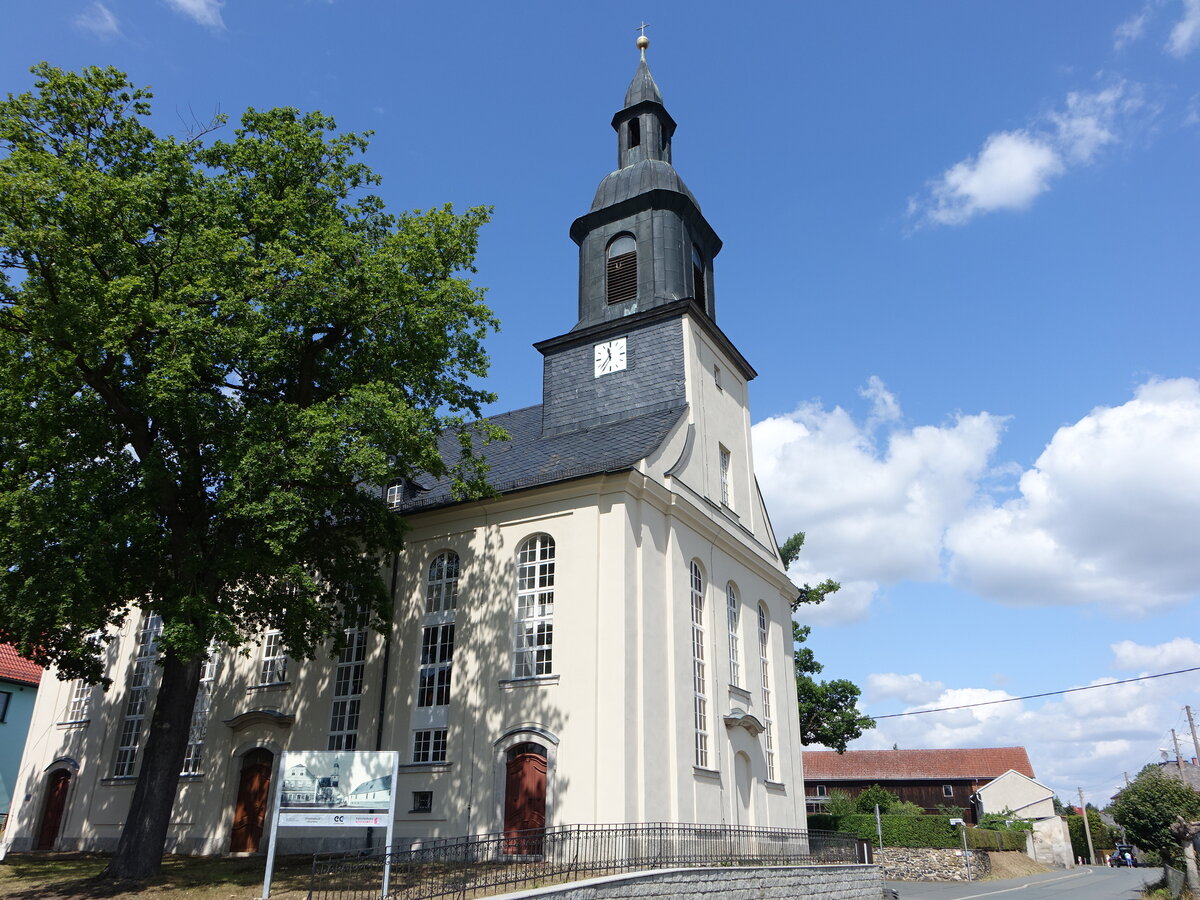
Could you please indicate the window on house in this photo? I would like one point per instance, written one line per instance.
(198, 730)
(947, 790)
(395, 495)
(429, 745)
(348, 687)
(80, 705)
(764, 663)
(821, 792)
(422, 801)
(533, 631)
(274, 659)
(700, 286)
(621, 270)
(141, 674)
(699, 673)
(5, 699)
(732, 613)
(441, 593)
(437, 653)
(725, 492)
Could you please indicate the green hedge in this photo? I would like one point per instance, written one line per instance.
(822, 822)
(985, 839)
(904, 831)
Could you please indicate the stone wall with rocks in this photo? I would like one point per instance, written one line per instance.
(851, 882)
(923, 864)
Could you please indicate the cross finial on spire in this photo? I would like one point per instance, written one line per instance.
(643, 42)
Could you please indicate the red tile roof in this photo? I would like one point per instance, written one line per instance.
(16, 668)
(880, 765)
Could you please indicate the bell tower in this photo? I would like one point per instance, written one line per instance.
(644, 242)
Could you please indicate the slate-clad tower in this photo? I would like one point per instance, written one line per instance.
(645, 262)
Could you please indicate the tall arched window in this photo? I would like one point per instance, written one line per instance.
(441, 592)
(764, 663)
(699, 673)
(621, 270)
(732, 614)
(533, 631)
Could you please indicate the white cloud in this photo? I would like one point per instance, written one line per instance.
(1106, 515)
(1015, 167)
(909, 688)
(1185, 36)
(204, 12)
(100, 21)
(1180, 653)
(1132, 29)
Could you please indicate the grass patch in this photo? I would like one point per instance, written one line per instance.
(67, 876)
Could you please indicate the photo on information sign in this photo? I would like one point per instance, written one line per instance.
(336, 779)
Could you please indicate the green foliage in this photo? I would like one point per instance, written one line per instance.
(788, 553)
(1104, 838)
(903, 831)
(1149, 806)
(828, 710)
(822, 822)
(1005, 820)
(954, 812)
(874, 796)
(1062, 809)
(211, 357)
(906, 808)
(840, 803)
(984, 839)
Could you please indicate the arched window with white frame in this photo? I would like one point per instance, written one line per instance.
(533, 629)
(441, 590)
(764, 662)
(699, 668)
(733, 617)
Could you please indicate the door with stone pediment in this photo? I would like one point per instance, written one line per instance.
(250, 808)
(525, 799)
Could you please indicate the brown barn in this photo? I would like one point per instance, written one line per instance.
(928, 778)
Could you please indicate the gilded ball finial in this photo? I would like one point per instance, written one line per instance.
(643, 42)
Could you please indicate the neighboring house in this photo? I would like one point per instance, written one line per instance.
(608, 640)
(1017, 792)
(19, 679)
(928, 778)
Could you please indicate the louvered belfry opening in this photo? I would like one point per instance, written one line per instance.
(621, 271)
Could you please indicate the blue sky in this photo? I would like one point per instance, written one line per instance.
(962, 249)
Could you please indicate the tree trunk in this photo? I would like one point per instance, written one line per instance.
(1189, 864)
(139, 851)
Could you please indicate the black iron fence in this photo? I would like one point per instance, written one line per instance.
(486, 864)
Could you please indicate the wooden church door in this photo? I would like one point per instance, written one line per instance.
(52, 812)
(250, 810)
(525, 800)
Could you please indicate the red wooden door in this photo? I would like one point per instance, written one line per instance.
(525, 800)
(250, 809)
(52, 812)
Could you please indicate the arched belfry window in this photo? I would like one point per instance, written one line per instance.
(621, 270)
(700, 289)
(635, 133)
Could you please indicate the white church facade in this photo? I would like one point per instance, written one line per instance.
(607, 640)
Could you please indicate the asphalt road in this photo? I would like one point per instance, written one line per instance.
(1086, 883)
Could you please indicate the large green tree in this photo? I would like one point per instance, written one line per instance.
(1150, 805)
(828, 710)
(212, 354)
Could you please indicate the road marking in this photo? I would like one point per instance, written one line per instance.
(1022, 887)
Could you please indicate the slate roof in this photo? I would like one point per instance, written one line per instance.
(529, 459)
(640, 178)
(642, 87)
(16, 668)
(901, 765)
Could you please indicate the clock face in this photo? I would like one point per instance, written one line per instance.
(610, 357)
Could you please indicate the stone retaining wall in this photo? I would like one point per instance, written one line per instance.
(850, 882)
(923, 864)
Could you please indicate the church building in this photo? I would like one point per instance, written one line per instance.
(607, 640)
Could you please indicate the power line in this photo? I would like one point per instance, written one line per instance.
(1090, 687)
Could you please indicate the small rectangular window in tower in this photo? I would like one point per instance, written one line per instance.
(635, 132)
(725, 493)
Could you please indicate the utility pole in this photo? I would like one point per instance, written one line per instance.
(1126, 779)
(1087, 829)
(1178, 758)
(1192, 725)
